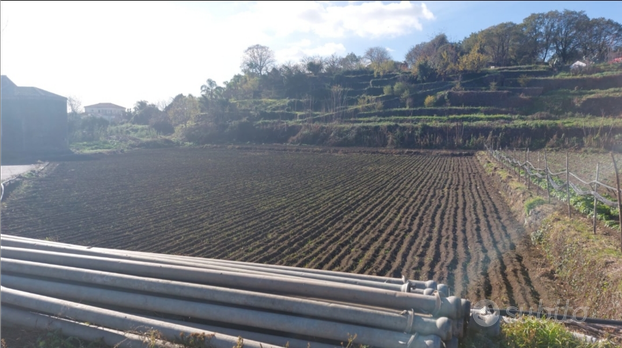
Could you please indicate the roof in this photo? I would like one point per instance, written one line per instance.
(11, 90)
(105, 106)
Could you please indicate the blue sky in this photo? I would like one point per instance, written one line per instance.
(121, 52)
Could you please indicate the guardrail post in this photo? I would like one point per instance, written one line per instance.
(595, 200)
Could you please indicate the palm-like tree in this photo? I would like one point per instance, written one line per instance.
(209, 88)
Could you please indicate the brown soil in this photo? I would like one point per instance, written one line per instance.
(423, 215)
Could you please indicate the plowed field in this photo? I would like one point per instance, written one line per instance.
(424, 216)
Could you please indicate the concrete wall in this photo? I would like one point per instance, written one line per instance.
(33, 125)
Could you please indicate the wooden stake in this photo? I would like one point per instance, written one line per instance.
(595, 187)
(568, 185)
(546, 177)
(615, 167)
(527, 177)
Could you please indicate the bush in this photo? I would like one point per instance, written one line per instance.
(429, 101)
(387, 90)
(163, 127)
(400, 88)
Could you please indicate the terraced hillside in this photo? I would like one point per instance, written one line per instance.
(522, 106)
(427, 216)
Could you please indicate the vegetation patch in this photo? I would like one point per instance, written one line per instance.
(532, 203)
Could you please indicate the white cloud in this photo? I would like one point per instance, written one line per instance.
(121, 52)
(331, 20)
(298, 50)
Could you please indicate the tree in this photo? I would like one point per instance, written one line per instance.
(425, 50)
(182, 109)
(258, 60)
(446, 59)
(314, 65)
(499, 42)
(376, 55)
(140, 105)
(144, 113)
(209, 88)
(473, 61)
(74, 104)
(599, 37)
(567, 34)
(350, 62)
(538, 33)
(332, 64)
(424, 71)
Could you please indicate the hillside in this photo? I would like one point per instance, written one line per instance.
(515, 106)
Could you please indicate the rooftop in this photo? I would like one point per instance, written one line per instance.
(11, 90)
(105, 106)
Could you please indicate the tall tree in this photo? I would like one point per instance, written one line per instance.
(258, 60)
(209, 88)
(538, 33)
(500, 43)
(377, 55)
(350, 62)
(425, 50)
(182, 109)
(567, 34)
(599, 37)
(75, 105)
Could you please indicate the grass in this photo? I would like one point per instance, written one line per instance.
(531, 332)
(532, 203)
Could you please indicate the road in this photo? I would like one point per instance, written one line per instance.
(9, 172)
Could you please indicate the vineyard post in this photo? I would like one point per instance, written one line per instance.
(546, 177)
(595, 200)
(615, 167)
(568, 185)
(527, 178)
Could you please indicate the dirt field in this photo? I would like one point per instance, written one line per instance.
(425, 216)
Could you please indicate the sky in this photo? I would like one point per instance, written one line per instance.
(122, 52)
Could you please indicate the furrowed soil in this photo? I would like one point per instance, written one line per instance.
(426, 216)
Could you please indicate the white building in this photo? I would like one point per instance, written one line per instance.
(108, 111)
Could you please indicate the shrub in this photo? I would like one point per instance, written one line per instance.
(387, 90)
(163, 127)
(429, 101)
(400, 88)
(523, 80)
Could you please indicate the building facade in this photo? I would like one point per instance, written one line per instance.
(108, 111)
(34, 121)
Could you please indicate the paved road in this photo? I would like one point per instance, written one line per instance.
(9, 172)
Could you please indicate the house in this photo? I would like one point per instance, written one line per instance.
(108, 111)
(34, 121)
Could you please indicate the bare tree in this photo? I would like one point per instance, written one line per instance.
(75, 105)
(258, 60)
(377, 55)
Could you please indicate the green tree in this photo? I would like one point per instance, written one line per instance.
(425, 50)
(182, 109)
(567, 34)
(599, 37)
(473, 61)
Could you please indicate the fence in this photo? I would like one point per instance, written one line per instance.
(554, 182)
